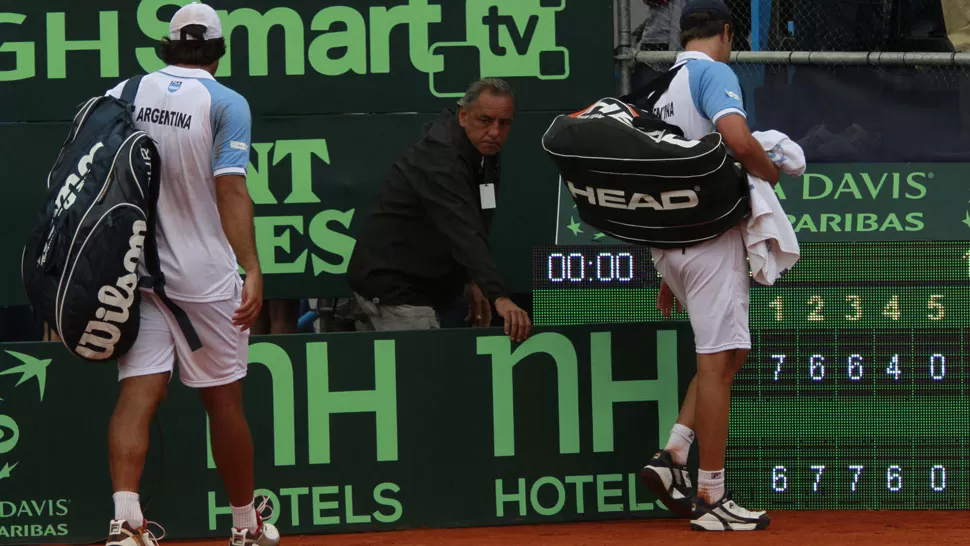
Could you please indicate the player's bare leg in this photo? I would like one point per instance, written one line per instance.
(715, 374)
(129, 428)
(714, 510)
(740, 357)
(232, 441)
(688, 410)
(232, 450)
(128, 440)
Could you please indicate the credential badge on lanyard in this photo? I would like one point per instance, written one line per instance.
(487, 192)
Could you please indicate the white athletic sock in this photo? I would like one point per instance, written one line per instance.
(678, 446)
(245, 517)
(710, 485)
(128, 508)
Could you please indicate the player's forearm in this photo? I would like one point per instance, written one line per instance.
(746, 148)
(236, 215)
(756, 162)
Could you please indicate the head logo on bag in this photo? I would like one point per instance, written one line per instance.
(638, 179)
(663, 137)
(617, 199)
(610, 108)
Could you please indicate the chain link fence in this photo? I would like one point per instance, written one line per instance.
(808, 25)
(848, 113)
(830, 74)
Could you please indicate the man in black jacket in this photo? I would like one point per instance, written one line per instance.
(426, 240)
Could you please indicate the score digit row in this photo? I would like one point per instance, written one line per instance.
(860, 307)
(816, 368)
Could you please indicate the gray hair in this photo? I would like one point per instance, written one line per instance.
(495, 86)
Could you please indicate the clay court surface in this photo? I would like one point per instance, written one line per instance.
(787, 529)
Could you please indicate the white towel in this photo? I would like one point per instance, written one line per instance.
(782, 151)
(768, 235)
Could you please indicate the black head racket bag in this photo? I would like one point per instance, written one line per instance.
(636, 178)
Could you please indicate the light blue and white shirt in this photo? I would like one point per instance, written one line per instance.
(703, 92)
(202, 130)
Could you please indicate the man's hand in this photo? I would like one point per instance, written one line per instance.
(518, 326)
(479, 309)
(665, 301)
(252, 301)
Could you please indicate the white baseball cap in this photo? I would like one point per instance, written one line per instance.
(195, 13)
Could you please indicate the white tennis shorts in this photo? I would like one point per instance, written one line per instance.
(711, 281)
(223, 358)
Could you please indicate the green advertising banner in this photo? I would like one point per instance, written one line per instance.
(358, 432)
(848, 202)
(297, 57)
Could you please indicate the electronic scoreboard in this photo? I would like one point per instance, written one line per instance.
(855, 391)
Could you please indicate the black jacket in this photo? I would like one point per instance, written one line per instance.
(427, 235)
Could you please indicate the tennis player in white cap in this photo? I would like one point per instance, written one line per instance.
(205, 227)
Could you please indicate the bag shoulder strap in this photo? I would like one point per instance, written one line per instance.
(131, 89)
(653, 90)
(156, 279)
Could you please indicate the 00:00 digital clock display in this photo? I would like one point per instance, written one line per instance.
(574, 267)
